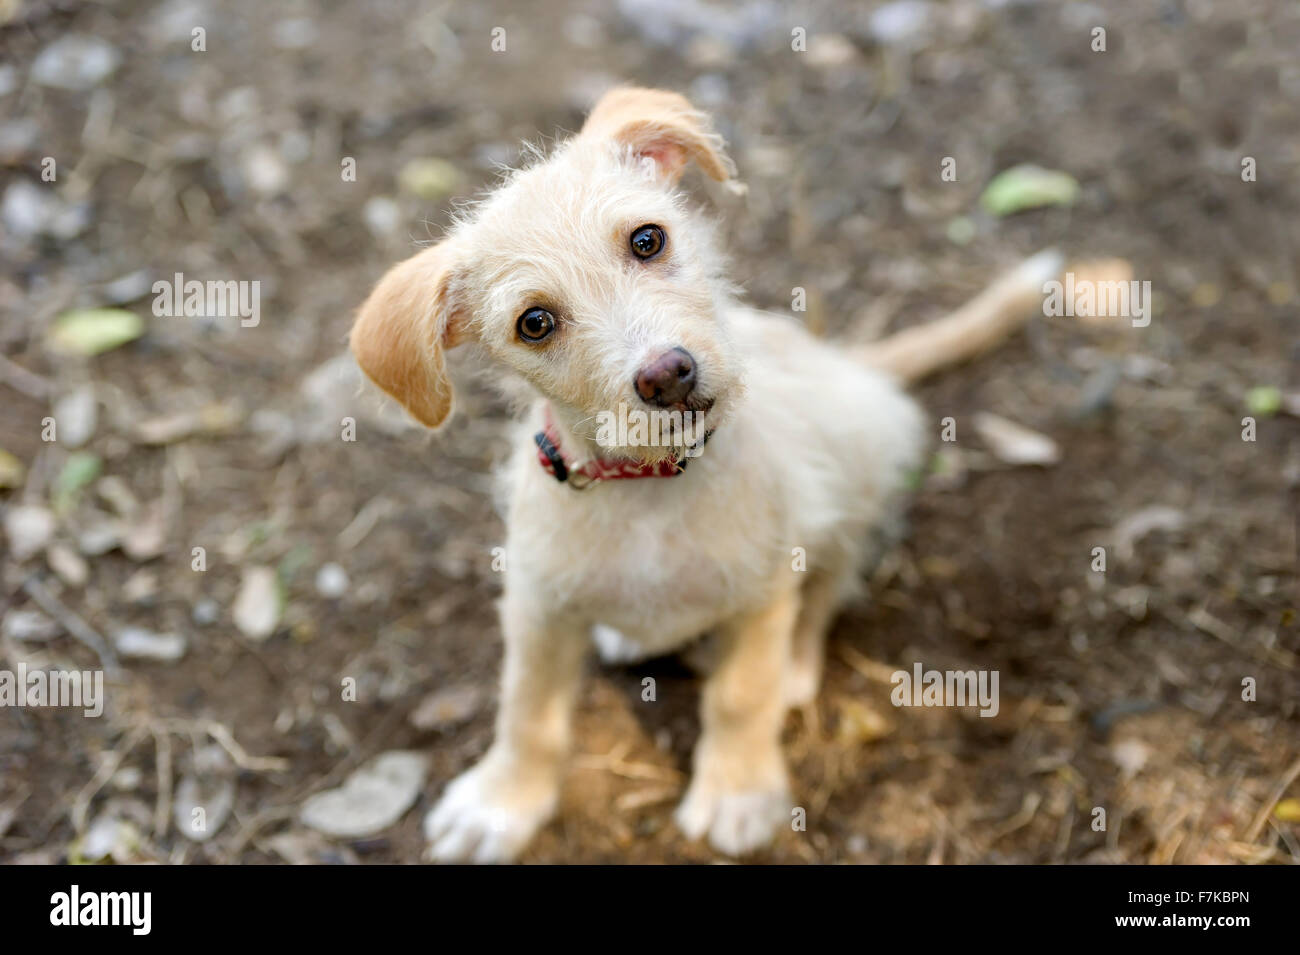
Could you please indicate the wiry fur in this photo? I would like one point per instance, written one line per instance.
(756, 543)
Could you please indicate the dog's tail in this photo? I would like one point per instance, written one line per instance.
(977, 326)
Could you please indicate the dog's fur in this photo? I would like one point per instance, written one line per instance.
(809, 446)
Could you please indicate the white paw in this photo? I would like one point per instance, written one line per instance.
(616, 649)
(488, 814)
(800, 683)
(736, 821)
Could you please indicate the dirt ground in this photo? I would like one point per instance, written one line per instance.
(1120, 690)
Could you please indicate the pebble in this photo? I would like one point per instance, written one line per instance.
(75, 61)
(108, 837)
(382, 216)
(17, 139)
(830, 50)
(127, 779)
(902, 23)
(296, 34)
(201, 806)
(329, 393)
(147, 536)
(264, 170)
(257, 607)
(68, 564)
(29, 626)
(99, 536)
(141, 587)
(29, 529)
(136, 643)
(1013, 443)
(206, 612)
(76, 415)
(28, 210)
(447, 708)
(371, 799)
(1137, 525)
(331, 581)
(1130, 755)
(126, 288)
(174, 21)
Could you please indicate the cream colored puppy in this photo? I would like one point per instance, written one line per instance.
(744, 514)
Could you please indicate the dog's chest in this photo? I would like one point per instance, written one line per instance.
(662, 563)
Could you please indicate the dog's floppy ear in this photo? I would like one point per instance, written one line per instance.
(403, 329)
(662, 126)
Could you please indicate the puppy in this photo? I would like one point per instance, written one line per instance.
(738, 500)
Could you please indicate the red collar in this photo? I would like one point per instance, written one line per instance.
(588, 472)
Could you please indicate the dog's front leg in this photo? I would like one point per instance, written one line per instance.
(490, 812)
(740, 795)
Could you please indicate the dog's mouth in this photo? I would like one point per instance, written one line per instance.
(654, 433)
(693, 404)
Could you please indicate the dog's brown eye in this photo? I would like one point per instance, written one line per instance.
(648, 241)
(535, 324)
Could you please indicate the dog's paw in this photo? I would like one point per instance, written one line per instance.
(736, 821)
(488, 814)
(800, 684)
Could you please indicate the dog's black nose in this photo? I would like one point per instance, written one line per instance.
(668, 379)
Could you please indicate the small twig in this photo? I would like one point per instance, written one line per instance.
(1251, 853)
(1028, 809)
(872, 669)
(1261, 817)
(613, 762)
(288, 808)
(640, 798)
(1285, 835)
(8, 810)
(1066, 831)
(375, 510)
(81, 631)
(257, 764)
(1204, 621)
(162, 809)
(222, 735)
(248, 831)
(81, 805)
(26, 382)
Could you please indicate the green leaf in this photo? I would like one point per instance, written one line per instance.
(298, 557)
(430, 179)
(80, 469)
(961, 231)
(92, 331)
(1264, 401)
(12, 471)
(1028, 187)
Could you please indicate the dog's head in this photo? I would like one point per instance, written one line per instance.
(585, 273)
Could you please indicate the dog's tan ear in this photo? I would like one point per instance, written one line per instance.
(662, 126)
(403, 329)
